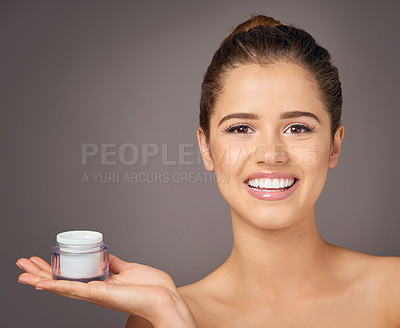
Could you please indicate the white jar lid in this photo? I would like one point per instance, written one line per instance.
(80, 237)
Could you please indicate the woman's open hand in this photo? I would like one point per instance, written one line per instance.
(132, 288)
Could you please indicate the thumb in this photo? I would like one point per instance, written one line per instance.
(117, 265)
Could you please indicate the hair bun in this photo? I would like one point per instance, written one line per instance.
(256, 20)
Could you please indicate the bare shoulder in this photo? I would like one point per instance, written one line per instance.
(387, 273)
(138, 322)
(390, 265)
(382, 269)
(208, 299)
(190, 293)
(200, 295)
(387, 268)
(379, 276)
(196, 297)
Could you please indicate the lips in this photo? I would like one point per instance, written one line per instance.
(271, 185)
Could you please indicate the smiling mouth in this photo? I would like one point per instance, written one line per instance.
(271, 185)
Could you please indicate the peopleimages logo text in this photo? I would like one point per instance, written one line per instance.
(129, 154)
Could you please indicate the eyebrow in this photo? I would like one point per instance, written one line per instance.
(250, 116)
(253, 116)
(299, 114)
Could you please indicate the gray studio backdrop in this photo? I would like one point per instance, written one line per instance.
(83, 82)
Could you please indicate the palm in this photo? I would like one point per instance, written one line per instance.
(139, 274)
(132, 288)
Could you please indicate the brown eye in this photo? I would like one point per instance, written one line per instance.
(295, 129)
(298, 129)
(240, 129)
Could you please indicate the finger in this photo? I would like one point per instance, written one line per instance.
(19, 262)
(40, 263)
(29, 279)
(98, 292)
(117, 265)
(74, 289)
(31, 267)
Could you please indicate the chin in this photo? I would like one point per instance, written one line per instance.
(267, 219)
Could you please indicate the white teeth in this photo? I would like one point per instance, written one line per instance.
(275, 183)
(270, 183)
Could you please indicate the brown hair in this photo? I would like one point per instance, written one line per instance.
(265, 41)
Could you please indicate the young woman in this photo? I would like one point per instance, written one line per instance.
(270, 124)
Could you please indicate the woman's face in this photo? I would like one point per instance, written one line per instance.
(270, 144)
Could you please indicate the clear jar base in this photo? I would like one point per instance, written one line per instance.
(85, 280)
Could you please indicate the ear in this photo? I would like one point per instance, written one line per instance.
(336, 145)
(205, 150)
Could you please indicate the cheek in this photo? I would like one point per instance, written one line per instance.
(314, 154)
(228, 157)
(319, 156)
(314, 163)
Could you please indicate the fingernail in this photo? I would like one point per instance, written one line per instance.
(38, 288)
(21, 282)
(19, 266)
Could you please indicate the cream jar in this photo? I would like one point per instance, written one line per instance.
(79, 255)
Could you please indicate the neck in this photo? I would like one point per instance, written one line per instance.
(279, 262)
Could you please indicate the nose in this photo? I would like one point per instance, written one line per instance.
(271, 153)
